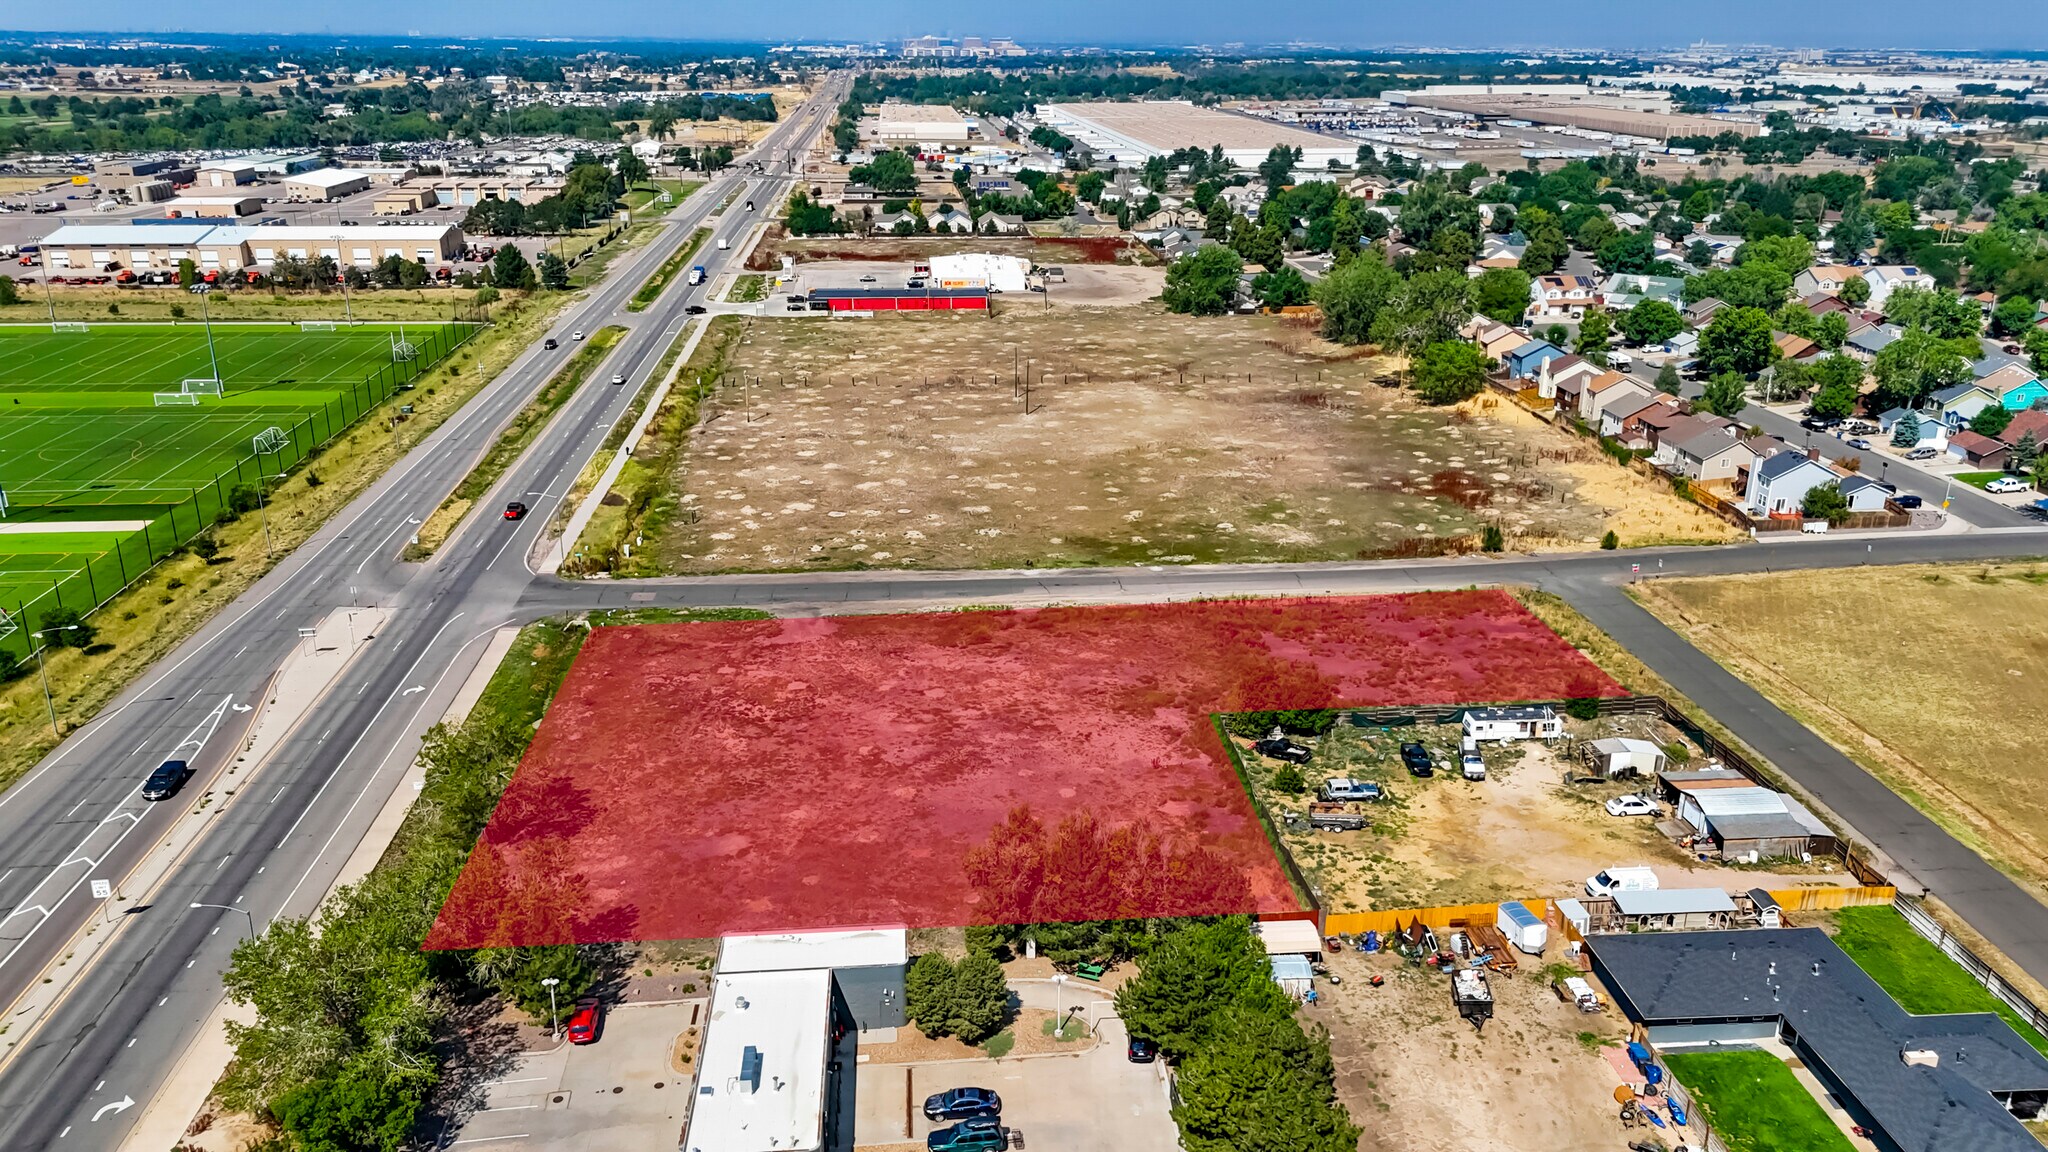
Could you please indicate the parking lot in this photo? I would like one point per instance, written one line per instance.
(621, 1092)
(1094, 1101)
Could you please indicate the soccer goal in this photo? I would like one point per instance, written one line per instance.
(404, 350)
(271, 439)
(176, 399)
(69, 326)
(317, 325)
(197, 387)
(8, 627)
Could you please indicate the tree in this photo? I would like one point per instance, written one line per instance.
(1830, 331)
(1547, 247)
(2024, 453)
(66, 628)
(630, 167)
(1726, 395)
(509, 268)
(1594, 234)
(890, 171)
(188, 273)
(1189, 979)
(1353, 296)
(363, 1109)
(1432, 207)
(1790, 254)
(1838, 382)
(1594, 330)
(1263, 1085)
(1651, 322)
(554, 272)
(1277, 169)
(1449, 371)
(2036, 345)
(1427, 308)
(1738, 340)
(9, 294)
(1825, 502)
(1991, 421)
(807, 217)
(2014, 315)
(1916, 365)
(979, 1000)
(1906, 431)
(1668, 381)
(1856, 291)
(1202, 283)
(1936, 310)
(1631, 252)
(1282, 288)
(1501, 294)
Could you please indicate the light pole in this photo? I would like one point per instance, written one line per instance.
(45, 676)
(341, 270)
(551, 981)
(206, 315)
(1059, 1004)
(232, 908)
(47, 297)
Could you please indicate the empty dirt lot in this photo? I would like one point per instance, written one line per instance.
(902, 441)
(1933, 678)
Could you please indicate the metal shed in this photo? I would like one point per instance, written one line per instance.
(1292, 974)
(1619, 756)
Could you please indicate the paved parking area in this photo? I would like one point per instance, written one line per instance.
(620, 1092)
(1095, 1101)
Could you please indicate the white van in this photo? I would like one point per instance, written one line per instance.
(1614, 880)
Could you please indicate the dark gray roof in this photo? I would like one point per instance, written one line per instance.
(1846, 1025)
(1759, 826)
(1783, 463)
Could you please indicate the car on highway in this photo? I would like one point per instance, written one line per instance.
(1140, 1051)
(1926, 453)
(963, 1104)
(514, 510)
(618, 378)
(1633, 804)
(982, 1135)
(1860, 444)
(587, 1021)
(1416, 759)
(166, 780)
(550, 344)
(2006, 484)
(1908, 500)
(695, 310)
(867, 279)
(796, 307)
(1818, 424)
(576, 335)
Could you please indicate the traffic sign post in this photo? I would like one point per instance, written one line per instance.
(101, 890)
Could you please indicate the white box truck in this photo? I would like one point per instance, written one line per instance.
(1523, 928)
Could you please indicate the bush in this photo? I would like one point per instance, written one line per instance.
(244, 498)
(1491, 539)
(1610, 541)
(313, 480)
(1582, 708)
(66, 628)
(1296, 722)
(204, 546)
(1288, 779)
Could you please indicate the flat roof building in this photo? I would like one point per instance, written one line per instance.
(1129, 133)
(205, 207)
(224, 174)
(323, 184)
(919, 124)
(762, 1079)
(229, 247)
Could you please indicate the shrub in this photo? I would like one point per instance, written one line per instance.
(1288, 779)
(66, 628)
(1582, 708)
(1491, 539)
(1610, 541)
(243, 498)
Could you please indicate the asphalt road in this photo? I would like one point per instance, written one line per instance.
(274, 848)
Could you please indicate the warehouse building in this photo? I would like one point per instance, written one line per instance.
(403, 201)
(1129, 133)
(1958, 1082)
(895, 124)
(224, 174)
(213, 207)
(232, 247)
(324, 184)
(463, 192)
(980, 270)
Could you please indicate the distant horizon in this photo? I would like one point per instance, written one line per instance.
(1622, 26)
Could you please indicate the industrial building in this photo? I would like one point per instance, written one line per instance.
(980, 270)
(465, 191)
(1959, 1082)
(899, 299)
(233, 247)
(1129, 133)
(895, 124)
(1608, 114)
(324, 184)
(403, 201)
(213, 207)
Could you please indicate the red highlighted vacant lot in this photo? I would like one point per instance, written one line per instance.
(693, 780)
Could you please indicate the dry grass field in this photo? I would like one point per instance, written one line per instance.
(1934, 678)
(1151, 438)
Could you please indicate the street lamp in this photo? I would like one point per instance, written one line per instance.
(1059, 1004)
(551, 981)
(45, 676)
(341, 270)
(206, 316)
(232, 908)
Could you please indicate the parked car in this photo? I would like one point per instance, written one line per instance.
(2006, 484)
(1927, 453)
(166, 780)
(1632, 805)
(867, 279)
(795, 308)
(514, 510)
(1612, 880)
(1860, 428)
(1141, 1051)
(1286, 750)
(963, 1104)
(1860, 444)
(1338, 789)
(1416, 759)
(983, 1135)
(1817, 423)
(586, 1021)
(550, 344)
(1908, 500)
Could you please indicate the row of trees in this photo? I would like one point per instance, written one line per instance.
(591, 192)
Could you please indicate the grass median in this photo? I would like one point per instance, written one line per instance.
(513, 441)
(659, 282)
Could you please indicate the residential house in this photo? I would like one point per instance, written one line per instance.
(1666, 433)
(1497, 340)
(2034, 420)
(1795, 347)
(1885, 279)
(1778, 484)
(1609, 390)
(1497, 251)
(952, 217)
(1824, 279)
(1932, 430)
(1713, 454)
(1866, 493)
(1558, 376)
(1958, 404)
(1562, 297)
(1523, 362)
(2016, 386)
(1982, 451)
(1003, 225)
(1684, 345)
(1864, 344)
(1625, 290)
(1702, 313)
(1636, 425)
(1820, 304)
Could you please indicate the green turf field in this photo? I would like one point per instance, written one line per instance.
(84, 440)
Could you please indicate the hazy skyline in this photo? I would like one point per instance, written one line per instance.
(1505, 24)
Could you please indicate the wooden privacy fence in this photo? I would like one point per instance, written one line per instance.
(1830, 898)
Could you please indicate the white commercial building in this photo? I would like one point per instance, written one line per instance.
(1128, 133)
(919, 124)
(324, 184)
(230, 247)
(980, 270)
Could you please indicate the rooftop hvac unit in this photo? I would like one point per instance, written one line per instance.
(750, 1069)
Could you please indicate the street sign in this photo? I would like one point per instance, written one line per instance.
(101, 889)
(1635, 567)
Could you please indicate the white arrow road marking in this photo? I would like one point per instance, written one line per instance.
(117, 1107)
(413, 689)
(245, 707)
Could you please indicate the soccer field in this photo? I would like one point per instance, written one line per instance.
(101, 478)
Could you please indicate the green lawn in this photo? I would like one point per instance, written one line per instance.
(1755, 1103)
(1977, 479)
(1909, 966)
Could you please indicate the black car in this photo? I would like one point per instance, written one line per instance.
(166, 780)
(549, 344)
(1907, 500)
(1416, 759)
(963, 1104)
(1141, 1051)
(1818, 424)
(1286, 750)
(695, 309)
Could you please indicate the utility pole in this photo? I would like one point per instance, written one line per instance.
(347, 312)
(554, 1026)
(45, 676)
(206, 313)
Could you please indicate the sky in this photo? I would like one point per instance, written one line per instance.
(1509, 24)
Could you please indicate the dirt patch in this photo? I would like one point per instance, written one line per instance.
(1877, 661)
(1417, 1078)
(1048, 250)
(1151, 438)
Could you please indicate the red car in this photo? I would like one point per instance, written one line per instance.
(583, 1026)
(514, 510)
